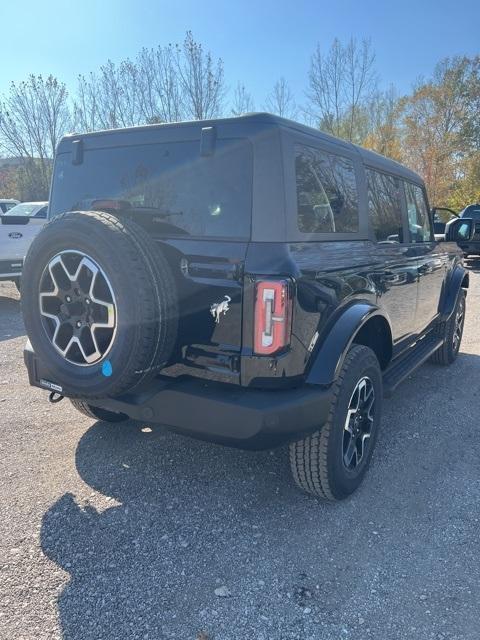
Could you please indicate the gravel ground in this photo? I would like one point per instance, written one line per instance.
(125, 531)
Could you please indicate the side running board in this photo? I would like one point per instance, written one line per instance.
(402, 367)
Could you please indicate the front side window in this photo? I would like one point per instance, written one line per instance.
(327, 199)
(384, 207)
(417, 211)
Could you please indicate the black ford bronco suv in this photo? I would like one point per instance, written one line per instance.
(250, 281)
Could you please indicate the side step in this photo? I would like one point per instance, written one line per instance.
(402, 367)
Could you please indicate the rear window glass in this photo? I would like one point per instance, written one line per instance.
(385, 206)
(188, 193)
(327, 198)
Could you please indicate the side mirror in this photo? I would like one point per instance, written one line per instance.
(459, 230)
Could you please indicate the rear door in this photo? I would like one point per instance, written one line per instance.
(430, 254)
(396, 274)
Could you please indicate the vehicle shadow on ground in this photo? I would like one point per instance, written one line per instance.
(11, 325)
(195, 516)
(188, 514)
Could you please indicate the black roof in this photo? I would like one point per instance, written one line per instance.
(260, 120)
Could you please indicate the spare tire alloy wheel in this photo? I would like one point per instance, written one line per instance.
(78, 308)
(99, 303)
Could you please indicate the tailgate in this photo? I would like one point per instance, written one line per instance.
(210, 290)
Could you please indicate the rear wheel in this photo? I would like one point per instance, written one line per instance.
(452, 332)
(96, 413)
(332, 462)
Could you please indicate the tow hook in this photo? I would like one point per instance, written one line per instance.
(55, 397)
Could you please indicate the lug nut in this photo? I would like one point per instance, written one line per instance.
(68, 298)
(87, 300)
(79, 324)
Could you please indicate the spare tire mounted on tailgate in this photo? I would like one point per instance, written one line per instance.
(99, 303)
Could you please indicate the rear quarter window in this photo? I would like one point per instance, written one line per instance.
(172, 183)
(327, 197)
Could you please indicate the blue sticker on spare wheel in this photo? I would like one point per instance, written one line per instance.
(107, 368)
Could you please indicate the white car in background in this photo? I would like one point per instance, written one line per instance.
(18, 227)
(5, 205)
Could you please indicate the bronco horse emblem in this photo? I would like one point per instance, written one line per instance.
(218, 308)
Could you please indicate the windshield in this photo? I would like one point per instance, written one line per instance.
(188, 193)
(25, 209)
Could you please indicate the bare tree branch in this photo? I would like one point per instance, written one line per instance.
(340, 84)
(281, 100)
(242, 101)
(33, 117)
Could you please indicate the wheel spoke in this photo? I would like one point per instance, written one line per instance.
(350, 415)
(350, 452)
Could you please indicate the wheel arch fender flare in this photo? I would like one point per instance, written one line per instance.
(333, 348)
(458, 280)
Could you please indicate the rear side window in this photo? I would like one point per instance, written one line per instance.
(418, 216)
(384, 206)
(172, 184)
(327, 199)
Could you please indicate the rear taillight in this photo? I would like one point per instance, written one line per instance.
(273, 313)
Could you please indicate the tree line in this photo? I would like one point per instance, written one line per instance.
(434, 129)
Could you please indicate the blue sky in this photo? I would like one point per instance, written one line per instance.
(258, 41)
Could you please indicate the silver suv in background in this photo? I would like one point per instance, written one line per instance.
(18, 227)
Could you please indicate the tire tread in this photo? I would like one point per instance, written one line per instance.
(309, 456)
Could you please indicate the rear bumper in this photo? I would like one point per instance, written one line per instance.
(227, 414)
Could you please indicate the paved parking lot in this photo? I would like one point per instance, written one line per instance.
(125, 531)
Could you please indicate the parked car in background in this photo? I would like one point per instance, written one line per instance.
(250, 281)
(472, 247)
(18, 227)
(5, 205)
(442, 215)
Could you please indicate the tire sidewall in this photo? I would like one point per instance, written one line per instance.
(453, 351)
